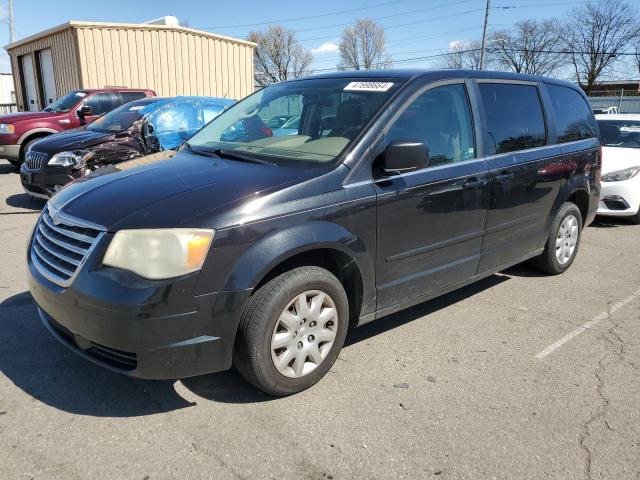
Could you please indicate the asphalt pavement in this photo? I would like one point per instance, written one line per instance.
(519, 376)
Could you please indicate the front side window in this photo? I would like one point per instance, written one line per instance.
(620, 133)
(440, 118)
(574, 118)
(100, 103)
(311, 120)
(514, 118)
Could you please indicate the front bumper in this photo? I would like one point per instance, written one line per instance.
(620, 199)
(44, 182)
(145, 329)
(10, 152)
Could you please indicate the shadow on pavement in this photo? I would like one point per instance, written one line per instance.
(427, 308)
(609, 222)
(43, 368)
(22, 200)
(7, 168)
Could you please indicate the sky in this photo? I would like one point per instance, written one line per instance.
(414, 28)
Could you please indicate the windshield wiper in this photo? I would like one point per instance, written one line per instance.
(218, 152)
(238, 156)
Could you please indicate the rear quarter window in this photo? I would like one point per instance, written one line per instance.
(574, 119)
(514, 118)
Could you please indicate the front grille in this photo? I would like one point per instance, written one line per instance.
(61, 247)
(35, 160)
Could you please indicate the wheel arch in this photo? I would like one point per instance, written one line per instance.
(576, 190)
(319, 243)
(34, 134)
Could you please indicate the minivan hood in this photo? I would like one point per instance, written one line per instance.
(71, 140)
(158, 191)
(23, 116)
(617, 158)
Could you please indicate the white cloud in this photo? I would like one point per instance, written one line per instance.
(457, 43)
(326, 47)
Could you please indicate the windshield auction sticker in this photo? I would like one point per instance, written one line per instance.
(368, 87)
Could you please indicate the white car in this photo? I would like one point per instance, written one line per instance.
(620, 194)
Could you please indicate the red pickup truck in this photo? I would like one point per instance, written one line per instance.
(76, 108)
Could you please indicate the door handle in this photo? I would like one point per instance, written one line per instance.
(474, 183)
(504, 177)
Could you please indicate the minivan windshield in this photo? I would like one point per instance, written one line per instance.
(66, 102)
(120, 119)
(620, 133)
(325, 117)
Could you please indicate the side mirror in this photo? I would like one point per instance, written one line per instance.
(84, 111)
(405, 155)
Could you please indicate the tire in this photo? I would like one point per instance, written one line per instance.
(272, 315)
(635, 219)
(562, 245)
(23, 151)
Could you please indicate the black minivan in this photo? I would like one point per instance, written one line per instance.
(260, 250)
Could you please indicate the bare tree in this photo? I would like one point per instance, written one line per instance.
(278, 56)
(465, 55)
(595, 35)
(529, 47)
(636, 56)
(363, 47)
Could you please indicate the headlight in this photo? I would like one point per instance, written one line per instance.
(620, 175)
(7, 128)
(157, 254)
(66, 159)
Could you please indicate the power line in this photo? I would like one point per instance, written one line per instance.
(428, 20)
(310, 17)
(411, 12)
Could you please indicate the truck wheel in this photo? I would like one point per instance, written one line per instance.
(292, 331)
(563, 242)
(23, 151)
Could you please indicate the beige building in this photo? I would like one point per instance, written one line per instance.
(170, 59)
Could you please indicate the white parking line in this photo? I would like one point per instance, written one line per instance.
(586, 326)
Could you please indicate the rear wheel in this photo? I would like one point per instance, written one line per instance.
(292, 331)
(563, 242)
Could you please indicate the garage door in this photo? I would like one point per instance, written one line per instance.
(47, 78)
(29, 83)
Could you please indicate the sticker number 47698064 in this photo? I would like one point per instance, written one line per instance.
(368, 86)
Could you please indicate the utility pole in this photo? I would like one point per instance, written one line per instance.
(12, 33)
(484, 36)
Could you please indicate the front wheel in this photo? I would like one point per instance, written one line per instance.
(635, 219)
(292, 331)
(563, 242)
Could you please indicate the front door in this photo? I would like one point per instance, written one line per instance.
(526, 173)
(431, 222)
(100, 103)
